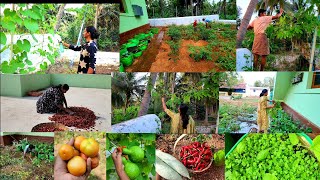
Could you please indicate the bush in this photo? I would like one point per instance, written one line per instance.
(120, 115)
(174, 32)
(199, 53)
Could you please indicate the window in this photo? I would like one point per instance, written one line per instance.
(316, 80)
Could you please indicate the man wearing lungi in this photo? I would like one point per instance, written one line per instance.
(260, 44)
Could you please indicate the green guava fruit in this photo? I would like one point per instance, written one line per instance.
(131, 169)
(135, 153)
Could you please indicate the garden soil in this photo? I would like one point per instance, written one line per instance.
(157, 59)
(166, 142)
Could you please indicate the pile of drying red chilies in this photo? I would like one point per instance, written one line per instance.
(196, 156)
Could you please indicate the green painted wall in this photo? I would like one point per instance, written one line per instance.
(34, 82)
(10, 85)
(282, 83)
(127, 20)
(82, 80)
(16, 85)
(301, 97)
(44, 134)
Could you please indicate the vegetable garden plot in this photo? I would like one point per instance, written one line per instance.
(274, 156)
(189, 49)
(198, 156)
(240, 116)
(37, 163)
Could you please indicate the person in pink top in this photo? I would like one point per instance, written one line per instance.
(260, 44)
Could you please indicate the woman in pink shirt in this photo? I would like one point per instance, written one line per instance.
(260, 44)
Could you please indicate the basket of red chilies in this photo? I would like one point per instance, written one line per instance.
(196, 157)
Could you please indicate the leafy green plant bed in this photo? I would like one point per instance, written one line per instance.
(135, 47)
(281, 122)
(144, 167)
(272, 157)
(120, 115)
(37, 164)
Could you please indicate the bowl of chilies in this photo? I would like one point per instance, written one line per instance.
(196, 157)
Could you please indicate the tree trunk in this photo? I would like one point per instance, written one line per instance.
(245, 22)
(147, 95)
(192, 7)
(173, 84)
(96, 16)
(59, 17)
(206, 115)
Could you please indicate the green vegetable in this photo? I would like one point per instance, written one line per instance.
(219, 158)
(131, 169)
(136, 154)
(272, 157)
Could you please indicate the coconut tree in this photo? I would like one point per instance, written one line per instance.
(126, 87)
(59, 17)
(147, 95)
(245, 22)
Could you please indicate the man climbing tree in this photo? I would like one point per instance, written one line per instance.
(260, 44)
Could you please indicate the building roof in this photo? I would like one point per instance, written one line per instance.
(238, 86)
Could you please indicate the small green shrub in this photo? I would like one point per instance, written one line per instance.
(120, 115)
(200, 52)
(174, 32)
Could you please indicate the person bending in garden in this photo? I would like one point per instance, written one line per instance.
(52, 100)
(262, 119)
(88, 51)
(207, 21)
(181, 123)
(260, 44)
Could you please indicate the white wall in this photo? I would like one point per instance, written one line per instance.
(181, 20)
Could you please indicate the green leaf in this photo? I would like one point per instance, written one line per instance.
(8, 12)
(22, 5)
(31, 69)
(44, 66)
(31, 14)
(31, 25)
(3, 39)
(150, 154)
(7, 69)
(169, 167)
(29, 62)
(293, 138)
(269, 176)
(23, 71)
(24, 45)
(7, 24)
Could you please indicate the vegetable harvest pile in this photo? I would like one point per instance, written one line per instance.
(196, 156)
(274, 156)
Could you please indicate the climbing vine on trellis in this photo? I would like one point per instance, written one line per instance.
(26, 19)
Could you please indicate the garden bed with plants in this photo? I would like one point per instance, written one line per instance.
(37, 163)
(188, 49)
(233, 117)
(274, 156)
(202, 155)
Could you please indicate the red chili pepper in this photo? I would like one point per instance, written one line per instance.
(184, 162)
(195, 154)
(207, 152)
(200, 149)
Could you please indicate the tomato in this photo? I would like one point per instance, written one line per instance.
(89, 147)
(66, 152)
(77, 142)
(77, 166)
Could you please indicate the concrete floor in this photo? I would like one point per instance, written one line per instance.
(20, 114)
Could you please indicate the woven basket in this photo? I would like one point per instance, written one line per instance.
(50, 124)
(178, 152)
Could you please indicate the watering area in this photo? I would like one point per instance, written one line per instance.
(102, 58)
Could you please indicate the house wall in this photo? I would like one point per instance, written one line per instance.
(82, 80)
(300, 97)
(128, 19)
